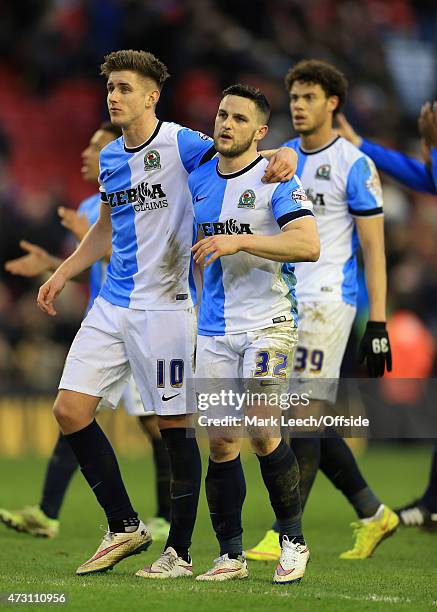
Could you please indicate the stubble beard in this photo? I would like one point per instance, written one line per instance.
(236, 149)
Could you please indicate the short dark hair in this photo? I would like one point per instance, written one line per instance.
(331, 80)
(107, 126)
(252, 93)
(141, 62)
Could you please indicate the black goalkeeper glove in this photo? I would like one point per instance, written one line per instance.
(375, 348)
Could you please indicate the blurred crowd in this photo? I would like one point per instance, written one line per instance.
(387, 49)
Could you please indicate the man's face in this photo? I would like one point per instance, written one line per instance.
(129, 95)
(237, 126)
(90, 155)
(310, 108)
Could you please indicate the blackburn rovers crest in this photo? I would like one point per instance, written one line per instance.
(152, 160)
(247, 199)
(324, 172)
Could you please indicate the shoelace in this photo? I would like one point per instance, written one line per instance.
(167, 561)
(108, 534)
(217, 561)
(289, 550)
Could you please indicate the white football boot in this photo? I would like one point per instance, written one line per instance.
(114, 548)
(292, 562)
(169, 565)
(226, 569)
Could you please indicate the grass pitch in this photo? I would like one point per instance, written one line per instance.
(401, 575)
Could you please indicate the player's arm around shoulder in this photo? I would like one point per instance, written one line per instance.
(282, 164)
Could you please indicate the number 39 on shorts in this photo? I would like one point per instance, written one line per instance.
(307, 359)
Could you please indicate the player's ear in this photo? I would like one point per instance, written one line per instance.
(333, 102)
(152, 98)
(261, 132)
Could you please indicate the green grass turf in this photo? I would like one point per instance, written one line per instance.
(401, 575)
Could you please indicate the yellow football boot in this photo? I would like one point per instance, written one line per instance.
(368, 533)
(267, 550)
(32, 520)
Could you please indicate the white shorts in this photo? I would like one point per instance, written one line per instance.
(131, 400)
(155, 346)
(324, 329)
(247, 360)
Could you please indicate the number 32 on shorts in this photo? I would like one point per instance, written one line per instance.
(311, 358)
(264, 361)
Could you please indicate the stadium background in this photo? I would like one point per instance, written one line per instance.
(52, 99)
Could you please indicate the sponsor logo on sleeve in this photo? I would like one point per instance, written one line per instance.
(373, 183)
(299, 195)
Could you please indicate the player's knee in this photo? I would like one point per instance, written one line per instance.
(263, 444)
(73, 412)
(175, 421)
(149, 425)
(62, 410)
(222, 449)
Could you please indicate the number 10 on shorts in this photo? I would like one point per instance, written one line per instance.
(173, 371)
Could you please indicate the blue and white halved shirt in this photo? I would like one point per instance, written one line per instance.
(342, 183)
(243, 292)
(152, 218)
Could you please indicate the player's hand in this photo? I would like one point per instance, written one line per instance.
(35, 262)
(77, 224)
(428, 124)
(345, 129)
(49, 291)
(215, 247)
(282, 166)
(375, 349)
